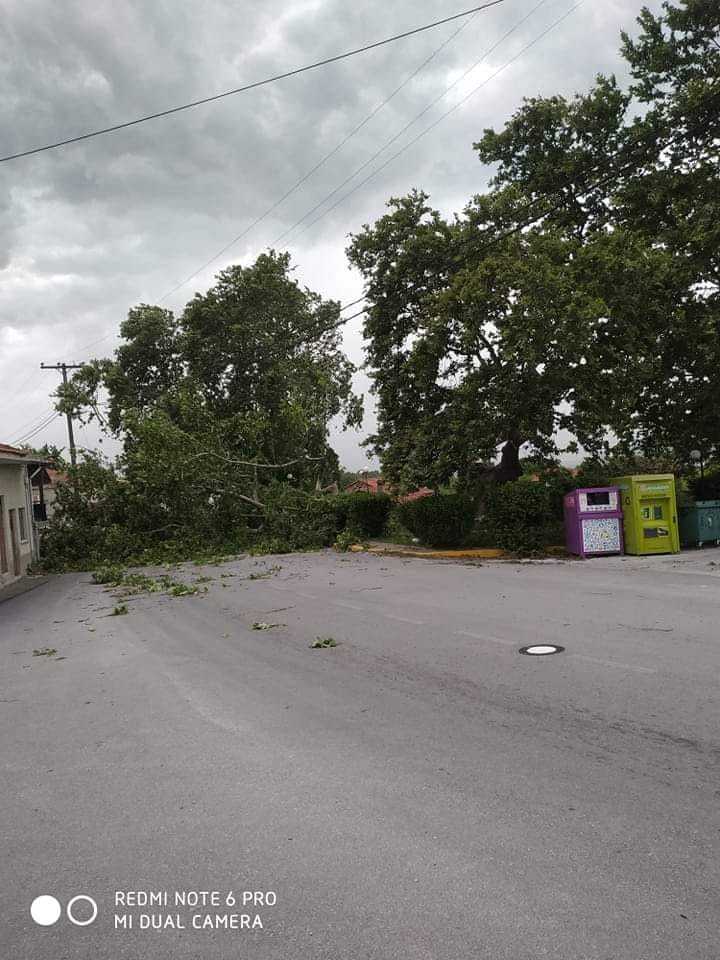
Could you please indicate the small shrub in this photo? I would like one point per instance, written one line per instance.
(443, 520)
(120, 610)
(344, 540)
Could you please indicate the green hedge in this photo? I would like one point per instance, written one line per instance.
(443, 520)
(367, 513)
(521, 516)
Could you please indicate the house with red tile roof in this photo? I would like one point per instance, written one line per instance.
(378, 485)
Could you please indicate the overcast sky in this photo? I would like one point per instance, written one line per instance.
(90, 229)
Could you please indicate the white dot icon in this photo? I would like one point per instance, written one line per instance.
(45, 910)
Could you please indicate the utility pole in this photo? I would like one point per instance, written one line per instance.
(64, 367)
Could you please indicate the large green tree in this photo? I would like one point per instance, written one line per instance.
(219, 406)
(579, 293)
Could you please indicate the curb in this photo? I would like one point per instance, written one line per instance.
(479, 554)
(18, 587)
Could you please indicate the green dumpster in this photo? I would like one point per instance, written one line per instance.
(650, 522)
(699, 523)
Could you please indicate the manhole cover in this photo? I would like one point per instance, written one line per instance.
(541, 650)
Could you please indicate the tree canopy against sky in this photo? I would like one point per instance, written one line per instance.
(580, 293)
(235, 394)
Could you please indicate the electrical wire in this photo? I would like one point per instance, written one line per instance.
(428, 129)
(23, 438)
(392, 140)
(39, 430)
(412, 122)
(26, 381)
(250, 86)
(29, 423)
(321, 163)
(547, 211)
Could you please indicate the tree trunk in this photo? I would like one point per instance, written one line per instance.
(509, 467)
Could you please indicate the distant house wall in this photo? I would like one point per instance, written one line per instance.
(16, 522)
(49, 479)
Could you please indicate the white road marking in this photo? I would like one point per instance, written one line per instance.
(612, 663)
(482, 636)
(415, 623)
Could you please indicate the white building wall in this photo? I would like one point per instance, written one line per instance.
(14, 494)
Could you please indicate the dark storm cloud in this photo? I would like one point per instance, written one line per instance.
(90, 229)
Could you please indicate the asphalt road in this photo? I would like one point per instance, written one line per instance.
(419, 791)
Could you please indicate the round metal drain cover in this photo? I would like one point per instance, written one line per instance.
(541, 650)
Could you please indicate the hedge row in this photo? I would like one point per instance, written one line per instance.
(443, 520)
(521, 517)
(365, 513)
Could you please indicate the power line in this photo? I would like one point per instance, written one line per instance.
(31, 425)
(29, 434)
(25, 382)
(43, 426)
(305, 177)
(92, 343)
(250, 86)
(27, 423)
(353, 303)
(547, 211)
(392, 140)
(63, 368)
(396, 136)
(431, 127)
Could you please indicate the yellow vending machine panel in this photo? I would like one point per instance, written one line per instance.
(650, 520)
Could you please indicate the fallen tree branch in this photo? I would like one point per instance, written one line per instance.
(262, 466)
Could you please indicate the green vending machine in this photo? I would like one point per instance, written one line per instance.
(650, 520)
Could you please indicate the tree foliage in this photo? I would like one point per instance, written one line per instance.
(579, 294)
(219, 408)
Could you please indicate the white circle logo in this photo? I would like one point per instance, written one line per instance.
(45, 910)
(82, 923)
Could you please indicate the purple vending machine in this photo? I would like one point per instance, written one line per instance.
(594, 521)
